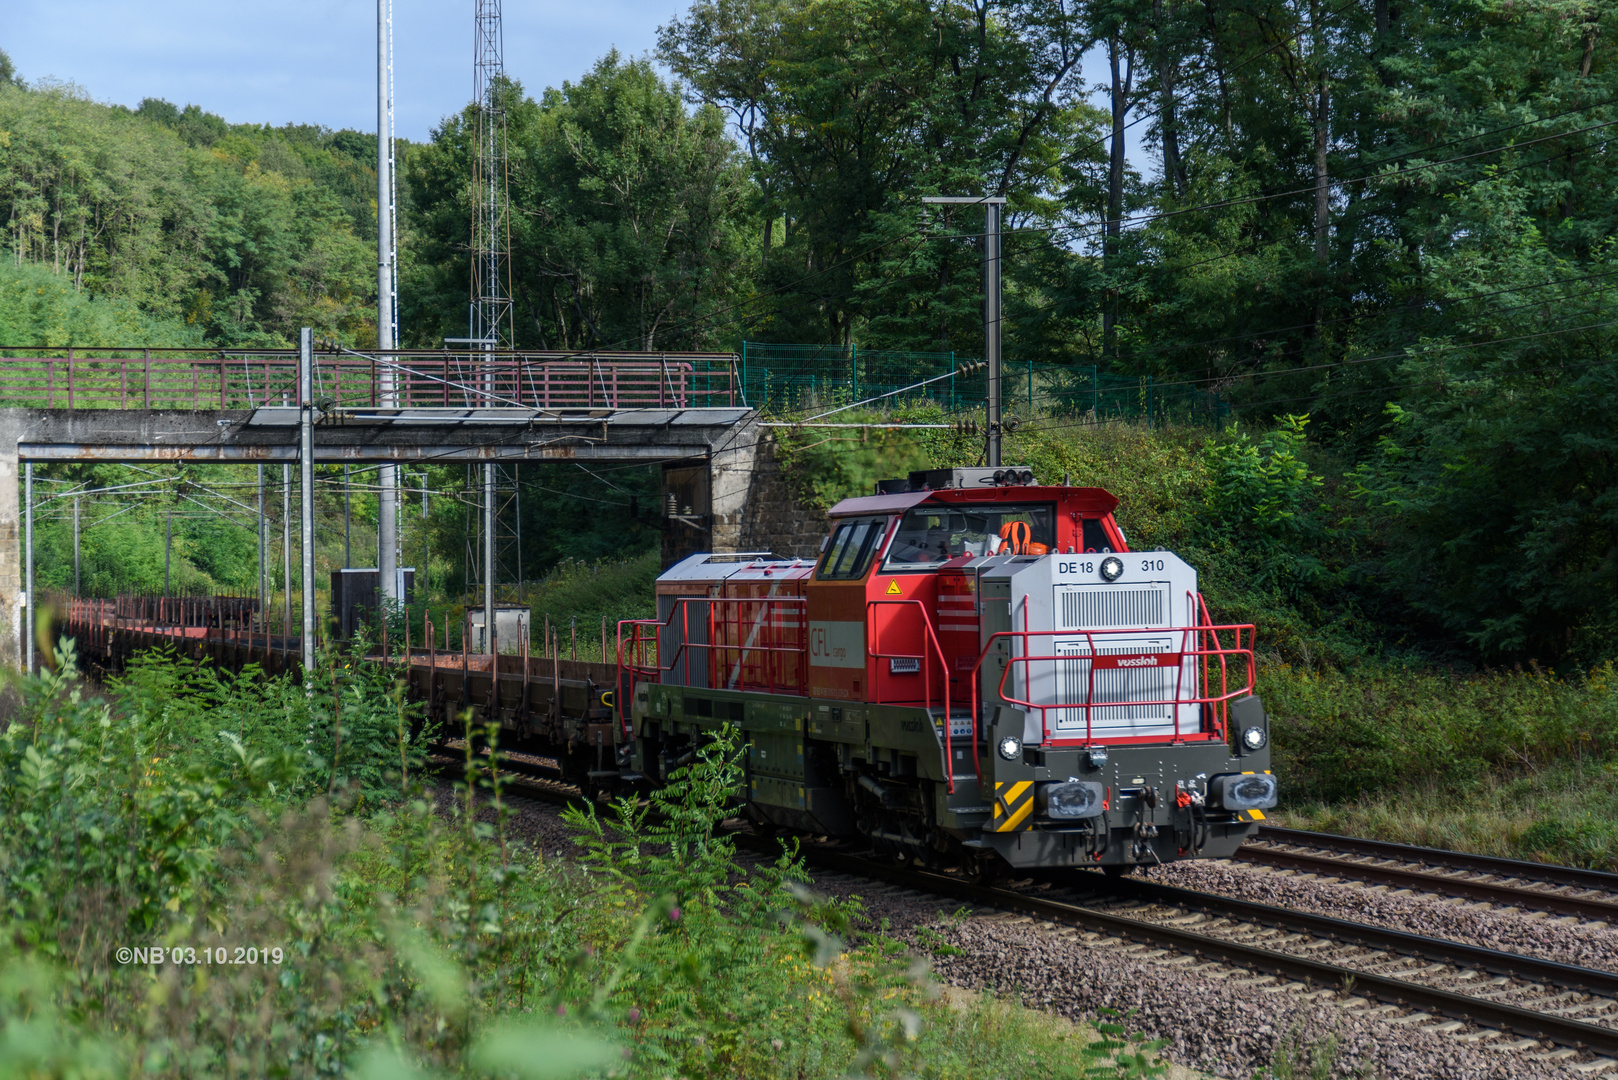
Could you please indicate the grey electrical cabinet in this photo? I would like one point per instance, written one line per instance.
(355, 599)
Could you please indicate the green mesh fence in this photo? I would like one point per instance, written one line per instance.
(784, 379)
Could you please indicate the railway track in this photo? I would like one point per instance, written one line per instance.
(1560, 890)
(1550, 1012)
(535, 777)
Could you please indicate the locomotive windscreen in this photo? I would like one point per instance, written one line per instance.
(930, 535)
(852, 548)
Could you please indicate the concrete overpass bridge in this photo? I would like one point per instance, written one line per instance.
(682, 411)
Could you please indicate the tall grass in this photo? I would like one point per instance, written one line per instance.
(321, 912)
(1517, 763)
(1342, 734)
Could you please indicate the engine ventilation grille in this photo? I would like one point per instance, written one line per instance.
(1114, 694)
(1108, 608)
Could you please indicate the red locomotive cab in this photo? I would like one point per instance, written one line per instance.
(893, 613)
(838, 664)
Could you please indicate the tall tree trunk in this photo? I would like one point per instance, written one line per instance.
(1592, 27)
(1322, 118)
(1383, 45)
(1173, 170)
(1122, 67)
(1322, 180)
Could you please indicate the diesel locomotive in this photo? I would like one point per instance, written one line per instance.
(977, 670)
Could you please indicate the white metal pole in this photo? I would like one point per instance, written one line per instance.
(306, 484)
(387, 539)
(28, 561)
(991, 330)
(263, 543)
(489, 631)
(286, 554)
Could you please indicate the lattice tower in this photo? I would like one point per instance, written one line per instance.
(490, 312)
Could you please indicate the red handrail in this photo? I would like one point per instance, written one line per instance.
(1204, 632)
(927, 682)
(638, 668)
(98, 378)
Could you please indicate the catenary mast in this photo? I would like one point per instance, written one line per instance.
(387, 301)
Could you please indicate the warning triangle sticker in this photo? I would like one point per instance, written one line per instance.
(893, 587)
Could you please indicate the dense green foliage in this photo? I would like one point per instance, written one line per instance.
(401, 931)
(183, 227)
(629, 208)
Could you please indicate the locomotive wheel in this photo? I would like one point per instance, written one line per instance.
(983, 869)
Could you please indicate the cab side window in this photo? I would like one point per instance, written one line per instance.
(1095, 536)
(852, 548)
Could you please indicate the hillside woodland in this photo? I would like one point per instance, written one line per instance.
(1381, 234)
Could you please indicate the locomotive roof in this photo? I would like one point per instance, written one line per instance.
(1090, 500)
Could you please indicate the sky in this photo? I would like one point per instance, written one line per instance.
(306, 61)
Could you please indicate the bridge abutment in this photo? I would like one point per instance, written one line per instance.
(739, 499)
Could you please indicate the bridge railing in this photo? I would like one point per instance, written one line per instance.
(212, 379)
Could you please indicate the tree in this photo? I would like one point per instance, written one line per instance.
(851, 111)
(628, 213)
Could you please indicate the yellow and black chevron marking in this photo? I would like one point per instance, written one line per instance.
(1013, 806)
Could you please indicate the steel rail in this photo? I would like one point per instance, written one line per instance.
(1494, 961)
(1525, 1022)
(1509, 894)
(1576, 1034)
(1455, 860)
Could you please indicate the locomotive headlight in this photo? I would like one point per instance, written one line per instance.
(1010, 748)
(1254, 738)
(1243, 791)
(1076, 799)
(1112, 568)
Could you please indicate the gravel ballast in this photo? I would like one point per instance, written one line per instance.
(1209, 1020)
(1550, 937)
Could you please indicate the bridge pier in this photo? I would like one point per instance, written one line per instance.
(705, 500)
(737, 499)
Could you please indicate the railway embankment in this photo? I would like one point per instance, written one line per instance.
(205, 872)
(1234, 989)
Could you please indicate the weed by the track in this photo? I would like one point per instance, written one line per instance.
(388, 933)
